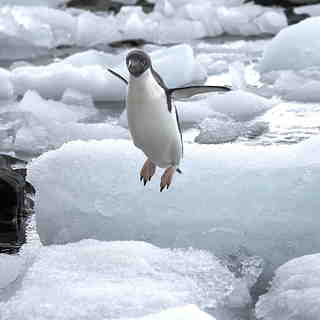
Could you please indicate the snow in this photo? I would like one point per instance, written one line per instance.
(301, 40)
(263, 194)
(121, 280)
(10, 268)
(86, 72)
(294, 292)
(26, 30)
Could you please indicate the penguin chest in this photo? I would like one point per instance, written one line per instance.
(153, 128)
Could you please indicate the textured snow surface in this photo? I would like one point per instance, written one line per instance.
(112, 280)
(226, 198)
(294, 292)
(86, 72)
(10, 268)
(301, 40)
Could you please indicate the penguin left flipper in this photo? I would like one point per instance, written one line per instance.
(118, 76)
(190, 91)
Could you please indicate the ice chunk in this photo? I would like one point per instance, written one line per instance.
(240, 105)
(51, 81)
(189, 312)
(52, 111)
(293, 85)
(93, 58)
(6, 88)
(219, 131)
(45, 3)
(10, 268)
(312, 10)
(75, 97)
(295, 291)
(36, 26)
(301, 40)
(35, 125)
(107, 201)
(93, 29)
(112, 280)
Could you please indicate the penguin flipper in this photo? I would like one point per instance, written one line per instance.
(118, 76)
(188, 92)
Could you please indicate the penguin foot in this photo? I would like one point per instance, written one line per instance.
(166, 178)
(147, 171)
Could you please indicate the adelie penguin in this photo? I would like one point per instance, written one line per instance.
(152, 117)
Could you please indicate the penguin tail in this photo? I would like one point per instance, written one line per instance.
(179, 171)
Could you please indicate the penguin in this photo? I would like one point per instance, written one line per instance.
(153, 119)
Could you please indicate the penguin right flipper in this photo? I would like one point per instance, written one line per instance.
(188, 92)
(118, 76)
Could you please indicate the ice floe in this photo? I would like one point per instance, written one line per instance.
(294, 292)
(122, 280)
(96, 190)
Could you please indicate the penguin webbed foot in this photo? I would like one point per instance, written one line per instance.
(147, 171)
(166, 178)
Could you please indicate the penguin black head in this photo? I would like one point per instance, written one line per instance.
(138, 62)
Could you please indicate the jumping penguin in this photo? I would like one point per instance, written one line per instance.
(152, 117)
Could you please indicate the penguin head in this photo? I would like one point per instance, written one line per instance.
(138, 62)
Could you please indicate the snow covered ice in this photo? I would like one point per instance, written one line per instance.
(116, 280)
(266, 192)
(294, 292)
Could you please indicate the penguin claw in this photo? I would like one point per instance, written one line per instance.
(147, 171)
(166, 178)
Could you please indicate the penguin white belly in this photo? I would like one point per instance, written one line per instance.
(153, 128)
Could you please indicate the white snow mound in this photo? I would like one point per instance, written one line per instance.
(294, 48)
(112, 280)
(295, 291)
